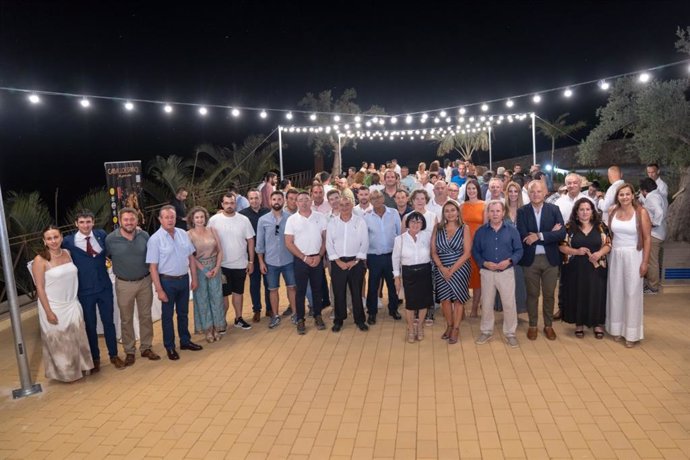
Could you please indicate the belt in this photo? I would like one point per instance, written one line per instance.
(170, 277)
(347, 259)
(384, 254)
(132, 280)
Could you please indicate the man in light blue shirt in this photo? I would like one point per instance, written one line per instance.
(383, 224)
(274, 258)
(406, 180)
(170, 254)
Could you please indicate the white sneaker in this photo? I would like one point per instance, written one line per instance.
(380, 303)
(483, 338)
(512, 341)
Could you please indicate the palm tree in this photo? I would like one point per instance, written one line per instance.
(557, 129)
(170, 172)
(323, 143)
(97, 201)
(464, 143)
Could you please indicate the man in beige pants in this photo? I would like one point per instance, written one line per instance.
(126, 247)
(497, 249)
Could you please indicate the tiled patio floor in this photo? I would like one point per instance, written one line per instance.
(273, 394)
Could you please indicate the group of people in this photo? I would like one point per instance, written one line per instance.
(430, 237)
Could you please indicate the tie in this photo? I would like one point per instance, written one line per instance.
(89, 248)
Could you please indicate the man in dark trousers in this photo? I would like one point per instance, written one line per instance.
(541, 230)
(87, 247)
(255, 210)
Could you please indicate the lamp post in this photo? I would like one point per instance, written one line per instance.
(28, 388)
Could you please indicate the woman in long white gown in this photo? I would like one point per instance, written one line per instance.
(628, 263)
(66, 353)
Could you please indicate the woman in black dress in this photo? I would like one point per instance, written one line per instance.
(584, 273)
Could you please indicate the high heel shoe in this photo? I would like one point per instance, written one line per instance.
(411, 335)
(446, 335)
(453, 339)
(420, 331)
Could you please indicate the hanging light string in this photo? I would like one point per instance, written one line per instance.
(442, 112)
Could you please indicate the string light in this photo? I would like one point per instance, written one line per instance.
(604, 85)
(85, 103)
(462, 111)
(129, 106)
(203, 111)
(358, 119)
(485, 107)
(312, 117)
(644, 77)
(443, 114)
(34, 99)
(235, 112)
(394, 120)
(263, 114)
(536, 99)
(568, 92)
(167, 108)
(408, 119)
(336, 118)
(288, 115)
(510, 103)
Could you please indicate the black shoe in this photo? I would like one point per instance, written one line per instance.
(320, 325)
(288, 311)
(172, 354)
(301, 328)
(191, 346)
(240, 323)
(371, 320)
(396, 316)
(337, 327)
(363, 327)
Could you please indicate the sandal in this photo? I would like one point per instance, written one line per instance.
(598, 332)
(420, 332)
(411, 336)
(453, 339)
(579, 333)
(446, 335)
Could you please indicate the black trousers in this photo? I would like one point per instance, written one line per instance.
(313, 275)
(380, 267)
(352, 279)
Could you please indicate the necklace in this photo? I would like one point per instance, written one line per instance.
(56, 255)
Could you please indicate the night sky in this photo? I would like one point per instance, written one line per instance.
(264, 55)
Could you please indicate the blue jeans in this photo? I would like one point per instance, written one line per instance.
(103, 301)
(380, 267)
(177, 291)
(255, 291)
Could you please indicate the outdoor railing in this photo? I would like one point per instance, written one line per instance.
(21, 246)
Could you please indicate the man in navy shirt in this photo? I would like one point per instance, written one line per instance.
(496, 249)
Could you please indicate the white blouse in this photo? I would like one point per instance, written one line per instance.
(407, 251)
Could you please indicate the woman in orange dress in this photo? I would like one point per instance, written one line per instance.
(472, 211)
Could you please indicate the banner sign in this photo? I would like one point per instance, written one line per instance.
(124, 187)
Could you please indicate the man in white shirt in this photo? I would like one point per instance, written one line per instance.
(657, 207)
(347, 242)
(565, 203)
(333, 197)
(653, 173)
(237, 240)
(454, 193)
(305, 233)
(396, 167)
(364, 206)
(616, 180)
(495, 190)
(440, 197)
(319, 203)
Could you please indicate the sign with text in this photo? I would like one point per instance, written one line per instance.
(124, 187)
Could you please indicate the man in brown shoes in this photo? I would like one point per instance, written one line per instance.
(126, 246)
(541, 229)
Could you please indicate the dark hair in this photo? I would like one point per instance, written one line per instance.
(414, 215)
(375, 179)
(194, 210)
(292, 191)
(538, 175)
(180, 189)
(362, 188)
(278, 192)
(653, 165)
(270, 175)
(82, 213)
(45, 252)
(596, 184)
(284, 183)
(127, 210)
(332, 191)
(574, 222)
(519, 179)
(323, 176)
(476, 184)
(647, 184)
(253, 189)
(167, 207)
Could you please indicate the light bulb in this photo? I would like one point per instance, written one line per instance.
(203, 111)
(644, 77)
(394, 120)
(568, 92)
(235, 112)
(312, 117)
(358, 118)
(288, 115)
(408, 119)
(536, 99)
(336, 118)
(85, 103)
(485, 107)
(510, 103)
(34, 99)
(263, 114)
(443, 114)
(129, 106)
(462, 111)
(167, 108)
(604, 85)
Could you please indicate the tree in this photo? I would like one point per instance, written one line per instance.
(557, 129)
(656, 116)
(97, 201)
(464, 143)
(324, 144)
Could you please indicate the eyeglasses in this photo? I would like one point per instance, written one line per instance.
(277, 229)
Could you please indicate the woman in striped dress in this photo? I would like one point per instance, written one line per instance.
(451, 245)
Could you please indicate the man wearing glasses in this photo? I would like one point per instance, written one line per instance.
(274, 258)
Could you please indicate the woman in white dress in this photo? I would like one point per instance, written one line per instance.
(66, 353)
(628, 262)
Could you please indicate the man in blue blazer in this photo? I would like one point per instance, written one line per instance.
(87, 248)
(541, 229)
